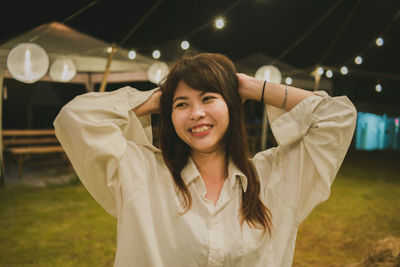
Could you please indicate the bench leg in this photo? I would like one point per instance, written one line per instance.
(21, 159)
(9, 163)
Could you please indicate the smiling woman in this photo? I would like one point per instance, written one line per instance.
(210, 98)
(202, 200)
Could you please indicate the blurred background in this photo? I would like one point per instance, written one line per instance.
(52, 51)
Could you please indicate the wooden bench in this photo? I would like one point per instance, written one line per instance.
(22, 143)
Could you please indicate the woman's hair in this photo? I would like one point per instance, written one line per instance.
(212, 73)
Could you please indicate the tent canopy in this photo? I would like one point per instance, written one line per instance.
(88, 54)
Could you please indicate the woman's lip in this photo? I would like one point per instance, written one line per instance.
(201, 133)
(199, 125)
(200, 130)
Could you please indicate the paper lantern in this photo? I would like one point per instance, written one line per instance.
(269, 73)
(27, 62)
(62, 70)
(157, 71)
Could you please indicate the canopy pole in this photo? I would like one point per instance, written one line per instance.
(264, 129)
(2, 69)
(317, 78)
(108, 66)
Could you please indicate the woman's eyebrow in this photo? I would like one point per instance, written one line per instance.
(185, 98)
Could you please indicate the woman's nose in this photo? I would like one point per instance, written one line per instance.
(197, 113)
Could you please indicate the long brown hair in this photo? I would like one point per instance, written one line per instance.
(212, 73)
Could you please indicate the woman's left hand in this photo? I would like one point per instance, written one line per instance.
(249, 87)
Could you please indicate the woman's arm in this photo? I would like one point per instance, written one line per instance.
(274, 94)
(313, 138)
(96, 130)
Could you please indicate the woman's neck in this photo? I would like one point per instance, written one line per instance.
(212, 166)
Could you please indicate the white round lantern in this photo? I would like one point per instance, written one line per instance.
(27, 62)
(157, 71)
(62, 70)
(269, 73)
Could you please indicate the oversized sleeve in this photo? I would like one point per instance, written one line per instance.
(95, 130)
(313, 139)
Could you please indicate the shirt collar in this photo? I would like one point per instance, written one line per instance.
(233, 173)
(190, 172)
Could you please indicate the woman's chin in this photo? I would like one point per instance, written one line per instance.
(204, 149)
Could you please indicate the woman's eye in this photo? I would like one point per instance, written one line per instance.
(179, 105)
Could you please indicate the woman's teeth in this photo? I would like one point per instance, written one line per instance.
(200, 129)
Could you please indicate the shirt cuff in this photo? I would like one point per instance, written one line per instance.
(288, 127)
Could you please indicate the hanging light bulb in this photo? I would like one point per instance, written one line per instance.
(28, 63)
(378, 88)
(288, 80)
(379, 41)
(132, 54)
(344, 70)
(329, 74)
(320, 70)
(156, 54)
(109, 49)
(358, 60)
(219, 23)
(185, 45)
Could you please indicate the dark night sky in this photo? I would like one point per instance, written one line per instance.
(267, 26)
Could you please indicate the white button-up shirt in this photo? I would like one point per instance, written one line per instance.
(111, 150)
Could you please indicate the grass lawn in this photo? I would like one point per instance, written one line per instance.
(364, 208)
(54, 226)
(63, 225)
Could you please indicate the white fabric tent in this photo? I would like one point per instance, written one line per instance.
(88, 54)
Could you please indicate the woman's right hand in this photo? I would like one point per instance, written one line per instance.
(152, 105)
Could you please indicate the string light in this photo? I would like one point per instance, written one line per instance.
(378, 88)
(156, 54)
(219, 23)
(358, 60)
(132, 54)
(329, 74)
(379, 41)
(185, 45)
(109, 49)
(344, 70)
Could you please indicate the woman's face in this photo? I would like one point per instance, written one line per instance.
(200, 118)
